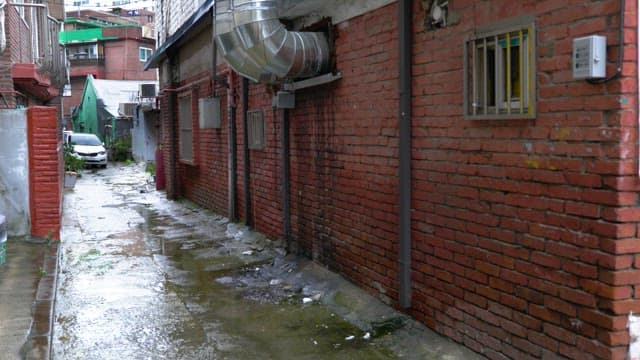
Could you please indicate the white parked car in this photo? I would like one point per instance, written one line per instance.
(90, 148)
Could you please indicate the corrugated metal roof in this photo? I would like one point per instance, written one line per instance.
(114, 92)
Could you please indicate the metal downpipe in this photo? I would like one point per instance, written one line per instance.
(404, 232)
(259, 47)
(173, 148)
(247, 158)
(286, 199)
(233, 147)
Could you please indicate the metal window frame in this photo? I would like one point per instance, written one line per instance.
(147, 53)
(525, 29)
(185, 103)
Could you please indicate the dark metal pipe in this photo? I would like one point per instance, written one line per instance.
(233, 147)
(404, 222)
(286, 211)
(620, 50)
(173, 194)
(247, 158)
(214, 47)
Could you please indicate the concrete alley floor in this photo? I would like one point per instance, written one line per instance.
(27, 282)
(141, 277)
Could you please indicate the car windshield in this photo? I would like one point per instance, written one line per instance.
(85, 139)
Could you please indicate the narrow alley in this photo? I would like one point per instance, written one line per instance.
(141, 277)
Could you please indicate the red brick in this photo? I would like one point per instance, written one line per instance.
(618, 278)
(602, 320)
(621, 246)
(606, 291)
(621, 307)
(558, 305)
(614, 338)
(561, 334)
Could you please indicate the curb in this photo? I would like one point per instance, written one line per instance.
(39, 341)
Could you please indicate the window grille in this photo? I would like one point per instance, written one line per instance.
(500, 74)
(256, 129)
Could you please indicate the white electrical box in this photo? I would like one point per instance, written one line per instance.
(589, 57)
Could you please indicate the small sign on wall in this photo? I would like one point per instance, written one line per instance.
(209, 111)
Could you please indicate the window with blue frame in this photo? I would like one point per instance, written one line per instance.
(145, 53)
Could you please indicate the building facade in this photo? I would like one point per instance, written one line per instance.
(33, 74)
(32, 61)
(465, 161)
(105, 45)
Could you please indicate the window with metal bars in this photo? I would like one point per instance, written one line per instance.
(256, 129)
(500, 74)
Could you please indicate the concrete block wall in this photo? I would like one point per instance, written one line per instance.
(45, 171)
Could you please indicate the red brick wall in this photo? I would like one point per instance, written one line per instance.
(165, 140)
(524, 231)
(521, 236)
(211, 155)
(122, 61)
(18, 51)
(344, 157)
(45, 171)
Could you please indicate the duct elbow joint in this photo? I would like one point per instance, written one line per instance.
(255, 44)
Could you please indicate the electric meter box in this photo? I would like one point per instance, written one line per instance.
(589, 57)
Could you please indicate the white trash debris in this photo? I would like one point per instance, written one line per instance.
(367, 336)
(307, 300)
(350, 337)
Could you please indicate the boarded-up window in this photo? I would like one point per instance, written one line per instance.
(186, 128)
(256, 131)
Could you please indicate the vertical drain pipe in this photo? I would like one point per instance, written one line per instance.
(173, 148)
(404, 66)
(286, 211)
(231, 106)
(247, 158)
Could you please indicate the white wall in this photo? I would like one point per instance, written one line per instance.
(144, 135)
(14, 171)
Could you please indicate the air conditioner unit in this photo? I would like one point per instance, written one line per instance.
(127, 109)
(147, 90)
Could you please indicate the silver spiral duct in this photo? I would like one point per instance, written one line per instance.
(256, 45)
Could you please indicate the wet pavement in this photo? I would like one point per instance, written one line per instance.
(27, 282)
(141, 277)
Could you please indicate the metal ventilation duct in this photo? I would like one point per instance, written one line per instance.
(259, 47)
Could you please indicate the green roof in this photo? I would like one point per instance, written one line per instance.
(84, 35)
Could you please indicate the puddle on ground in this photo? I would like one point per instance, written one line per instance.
(250, 320)
(171, 282)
